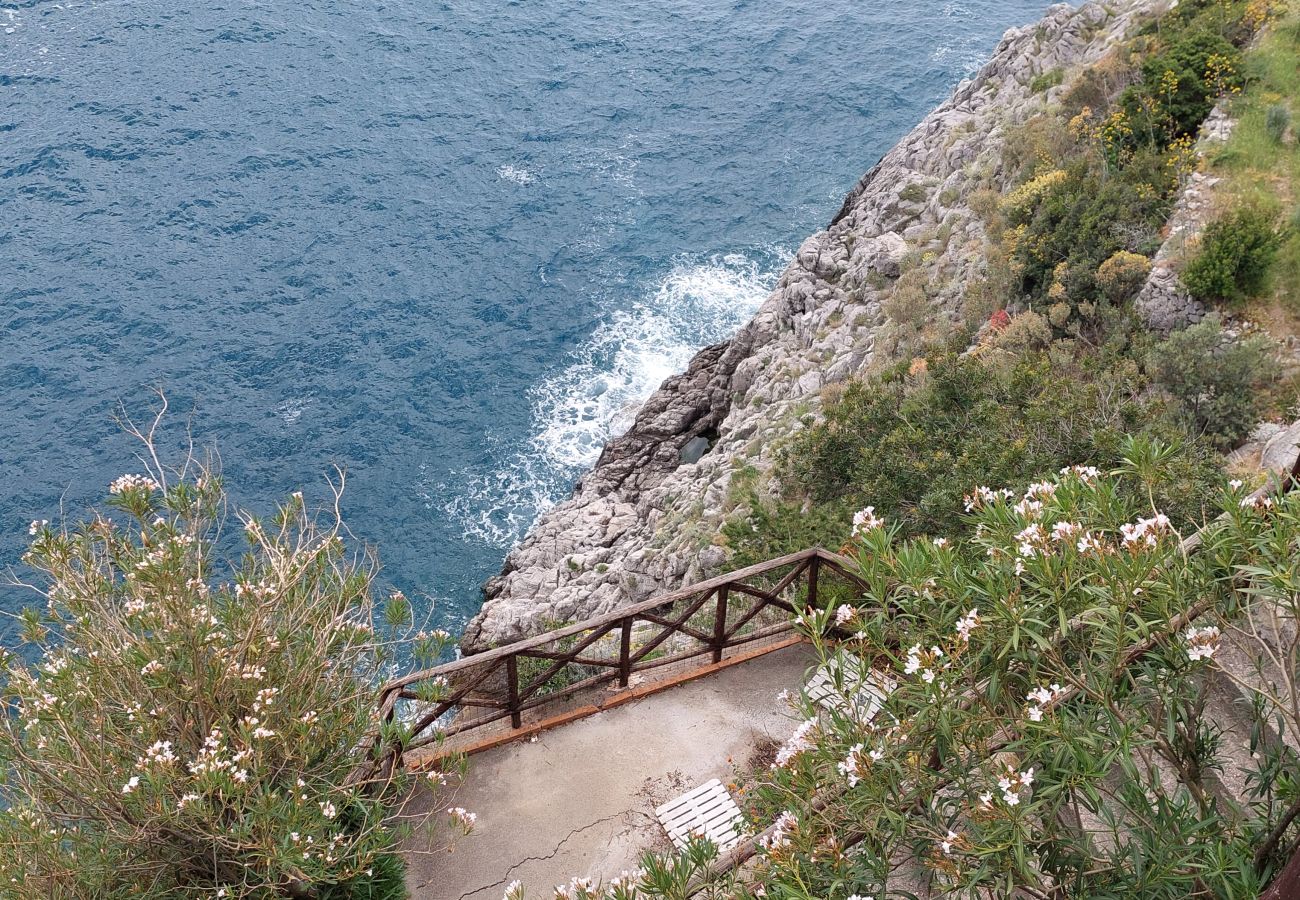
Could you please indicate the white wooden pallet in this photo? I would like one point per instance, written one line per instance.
(707, 810)
(856, 695)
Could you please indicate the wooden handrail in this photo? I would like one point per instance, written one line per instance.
(493, 681)
(614, 616)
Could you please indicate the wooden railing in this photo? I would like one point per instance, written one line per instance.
(703, 620)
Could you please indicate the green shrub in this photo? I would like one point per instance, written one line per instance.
(1084, 219)
(1026, 332)
(909, 302)
(186, 727)
(1276, 121)
(1120, 276)
(1217, 379)
(914, 193)
(385, 880)
(1180, 84)
(1047, 80)
(1234, 257)
(914, 445)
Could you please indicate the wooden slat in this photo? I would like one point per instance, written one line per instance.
(568, 657)
(691, 610)
(840, 685)
(707, 810)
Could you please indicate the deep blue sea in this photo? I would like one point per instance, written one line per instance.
(446, 245)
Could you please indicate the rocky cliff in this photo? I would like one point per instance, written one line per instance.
(644, 519)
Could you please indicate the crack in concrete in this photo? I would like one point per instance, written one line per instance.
(558, 847)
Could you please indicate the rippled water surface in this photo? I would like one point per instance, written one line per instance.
(447, 245)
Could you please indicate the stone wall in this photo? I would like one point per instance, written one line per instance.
(1163, 303)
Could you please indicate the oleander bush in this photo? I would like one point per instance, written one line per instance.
(1016, 722)
(187, 726)
(1044, 729)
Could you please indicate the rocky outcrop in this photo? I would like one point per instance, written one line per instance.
(645, 518)
(1270, 448)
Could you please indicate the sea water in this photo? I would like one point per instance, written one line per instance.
(447, 246)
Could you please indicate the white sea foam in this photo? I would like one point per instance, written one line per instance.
(291, 410)
(595, 396)
(968, 53)
(517, 174)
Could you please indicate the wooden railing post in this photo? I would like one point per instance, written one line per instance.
(720, 625)
(814, 566)
(512, 686)
(625, 652)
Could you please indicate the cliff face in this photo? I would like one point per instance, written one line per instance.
(642, 520)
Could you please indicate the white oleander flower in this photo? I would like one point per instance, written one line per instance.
(865, 520)
(968, 623)
(132, 482)
(948, 842)
(1202, 643)
(463, 817)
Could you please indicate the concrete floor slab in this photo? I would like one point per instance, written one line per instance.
(580, 799)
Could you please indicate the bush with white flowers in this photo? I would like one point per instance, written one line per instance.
(186, 727)
(1026, 748)
(1046, 732)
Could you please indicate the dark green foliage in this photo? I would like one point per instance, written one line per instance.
(913, 193)
(1217, 380)
(1229, 18)
(1179, 84)
(914, 448)
(1233, 261)
(1087, 218)
(387, 881)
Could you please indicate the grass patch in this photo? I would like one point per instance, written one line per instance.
(1047, 80)
(1260, 164)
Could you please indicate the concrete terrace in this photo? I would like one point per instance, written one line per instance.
(579, 800)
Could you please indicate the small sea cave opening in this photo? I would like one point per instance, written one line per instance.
(697, 446)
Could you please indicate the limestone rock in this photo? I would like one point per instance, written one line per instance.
(882, 254)
(1271, 448)
(1163, 304)
(644, 520)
